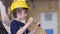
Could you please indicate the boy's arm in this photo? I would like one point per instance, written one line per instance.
(22, 30)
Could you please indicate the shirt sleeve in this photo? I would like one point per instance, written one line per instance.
(14, 28)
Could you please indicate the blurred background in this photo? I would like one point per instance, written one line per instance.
(45, 11)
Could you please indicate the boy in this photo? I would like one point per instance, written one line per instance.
(19, 10)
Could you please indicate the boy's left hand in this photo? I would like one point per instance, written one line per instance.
(38, 24)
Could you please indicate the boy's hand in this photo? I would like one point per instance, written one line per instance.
(30, 20)
(38, 24)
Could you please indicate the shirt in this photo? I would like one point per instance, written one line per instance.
(16, 25)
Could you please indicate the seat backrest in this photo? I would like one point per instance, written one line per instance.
(2, 29)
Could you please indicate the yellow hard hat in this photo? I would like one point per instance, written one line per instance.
(20, 0)
(18, 4)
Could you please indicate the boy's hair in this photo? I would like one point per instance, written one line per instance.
(18, 10)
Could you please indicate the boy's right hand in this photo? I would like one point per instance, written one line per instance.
(30, 20)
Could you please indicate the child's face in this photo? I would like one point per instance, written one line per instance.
(22, 15)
